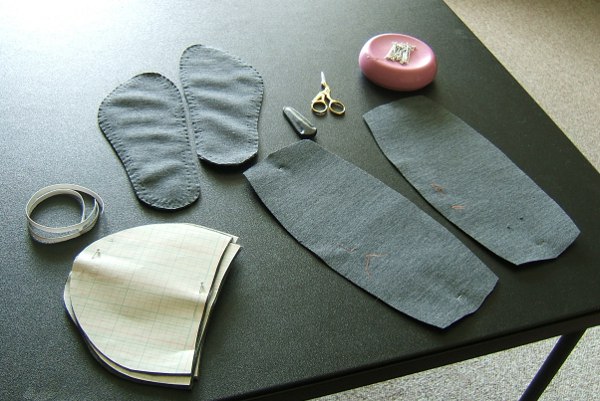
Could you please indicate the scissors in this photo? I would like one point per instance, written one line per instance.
(323, 101)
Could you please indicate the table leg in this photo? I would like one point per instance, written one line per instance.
(551, 365)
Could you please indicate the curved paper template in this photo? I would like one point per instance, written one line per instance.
(139, 295)
(172, 380)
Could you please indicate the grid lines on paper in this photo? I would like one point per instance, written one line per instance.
(137, 294)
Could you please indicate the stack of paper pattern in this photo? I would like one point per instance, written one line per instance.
(142, 297)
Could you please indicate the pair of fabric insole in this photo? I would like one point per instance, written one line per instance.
(384, 243)
(145, 121)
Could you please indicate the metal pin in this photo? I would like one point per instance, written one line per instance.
(400, 52)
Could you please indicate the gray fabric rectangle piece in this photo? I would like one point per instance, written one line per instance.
(371, 234)
(470, 181)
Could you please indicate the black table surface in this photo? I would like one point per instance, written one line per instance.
(285, 324)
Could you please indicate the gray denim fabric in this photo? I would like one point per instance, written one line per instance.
(144, 121)
(470, 181)
(371, 234)
(224, 97)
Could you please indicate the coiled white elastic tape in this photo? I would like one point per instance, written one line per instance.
(51, 235)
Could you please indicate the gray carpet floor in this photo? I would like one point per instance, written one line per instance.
(552, 48)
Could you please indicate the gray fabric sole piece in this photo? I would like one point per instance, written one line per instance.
(371, 235)
(224, 97)
(470, 181)
(144, 120)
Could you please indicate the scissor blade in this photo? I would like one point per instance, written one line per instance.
(322, 78)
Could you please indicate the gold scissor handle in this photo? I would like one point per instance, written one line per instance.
(336, 107)
(318, 105)
(321, 104)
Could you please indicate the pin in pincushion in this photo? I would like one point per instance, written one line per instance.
(398, 62)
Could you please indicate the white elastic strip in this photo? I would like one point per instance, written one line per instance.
(51, 235)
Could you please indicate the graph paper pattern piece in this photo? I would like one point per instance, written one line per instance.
(139, 294)
(175, 380)
(183, 380)
(228, 256)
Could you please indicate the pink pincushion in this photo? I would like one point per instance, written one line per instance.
(417, 73)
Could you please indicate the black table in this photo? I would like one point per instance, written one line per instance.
(286, 325)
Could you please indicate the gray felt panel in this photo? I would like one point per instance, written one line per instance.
(224, 97)
(371, 234)
(470, 181)
(144, 120)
